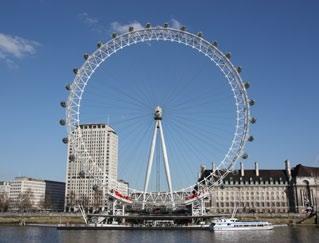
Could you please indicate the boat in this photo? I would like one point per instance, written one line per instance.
(233, 224)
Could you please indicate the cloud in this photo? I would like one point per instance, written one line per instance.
(93, 23)
(87, 19)
(15, 47)
(175, 24)
(122, 28)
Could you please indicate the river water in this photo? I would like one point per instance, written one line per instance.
(301, 234)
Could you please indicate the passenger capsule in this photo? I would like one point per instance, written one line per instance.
(81, 174)
(200, 34)
(68, 87)
(244, 156)
(214, 43)
(228, 55)
(252, 120)
(65, 140)
(75, 70)
(86, 56)
(95, 188)
(99, 44)
(251, 102)
(239, 69)
(63, 104)
(62, 122)
(130, 29)
(114, 35)
(71, 157)
(246, 85)
(250, 139)
(183, 28)
(148, 25)
(166, 25)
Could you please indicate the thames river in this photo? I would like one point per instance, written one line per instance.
(49, 234)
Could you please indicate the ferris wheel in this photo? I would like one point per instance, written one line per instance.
(158, 139)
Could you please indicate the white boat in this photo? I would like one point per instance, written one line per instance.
(233, 224)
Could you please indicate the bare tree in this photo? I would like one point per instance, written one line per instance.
(84, 201)
(71, 200)
(97, 199)
(4, 202)
(24, 200)
(46, 203)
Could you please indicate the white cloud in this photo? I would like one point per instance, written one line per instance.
(15, 47)
(92, 22)
(122, 28)
(175, 24)
(87, 19)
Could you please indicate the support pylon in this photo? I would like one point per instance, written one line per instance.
(158, 128)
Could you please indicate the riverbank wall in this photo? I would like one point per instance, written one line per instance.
(72, 218)
(40, 218)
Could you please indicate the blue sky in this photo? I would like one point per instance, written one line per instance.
(42, 41)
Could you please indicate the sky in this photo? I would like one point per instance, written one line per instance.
(275, 42)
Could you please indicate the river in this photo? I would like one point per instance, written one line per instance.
(35, 234)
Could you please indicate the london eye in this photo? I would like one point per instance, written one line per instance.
(169, 121)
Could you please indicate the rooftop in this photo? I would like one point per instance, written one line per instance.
(275, 175)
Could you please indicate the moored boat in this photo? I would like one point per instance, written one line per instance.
(233, 224)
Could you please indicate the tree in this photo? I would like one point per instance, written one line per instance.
(84, 201)
(97, 199)
(46, 203)
(71, 199)
(4, 202)
(24, 200)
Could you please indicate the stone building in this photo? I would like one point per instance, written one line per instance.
(266, 191)
(305, 182)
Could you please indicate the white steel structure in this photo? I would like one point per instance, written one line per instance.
(158, 115)
(204, 47)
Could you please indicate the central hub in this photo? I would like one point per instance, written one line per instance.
(158, 112)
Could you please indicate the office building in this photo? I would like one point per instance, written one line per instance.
(94, 165)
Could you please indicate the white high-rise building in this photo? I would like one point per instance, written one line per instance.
(42, 193)
(4, 187)
(101, 144)
(24, 184)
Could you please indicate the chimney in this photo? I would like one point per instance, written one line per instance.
(202, 168)
(242, 169)
(213, 167)
(288, 169)
(257, 168)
